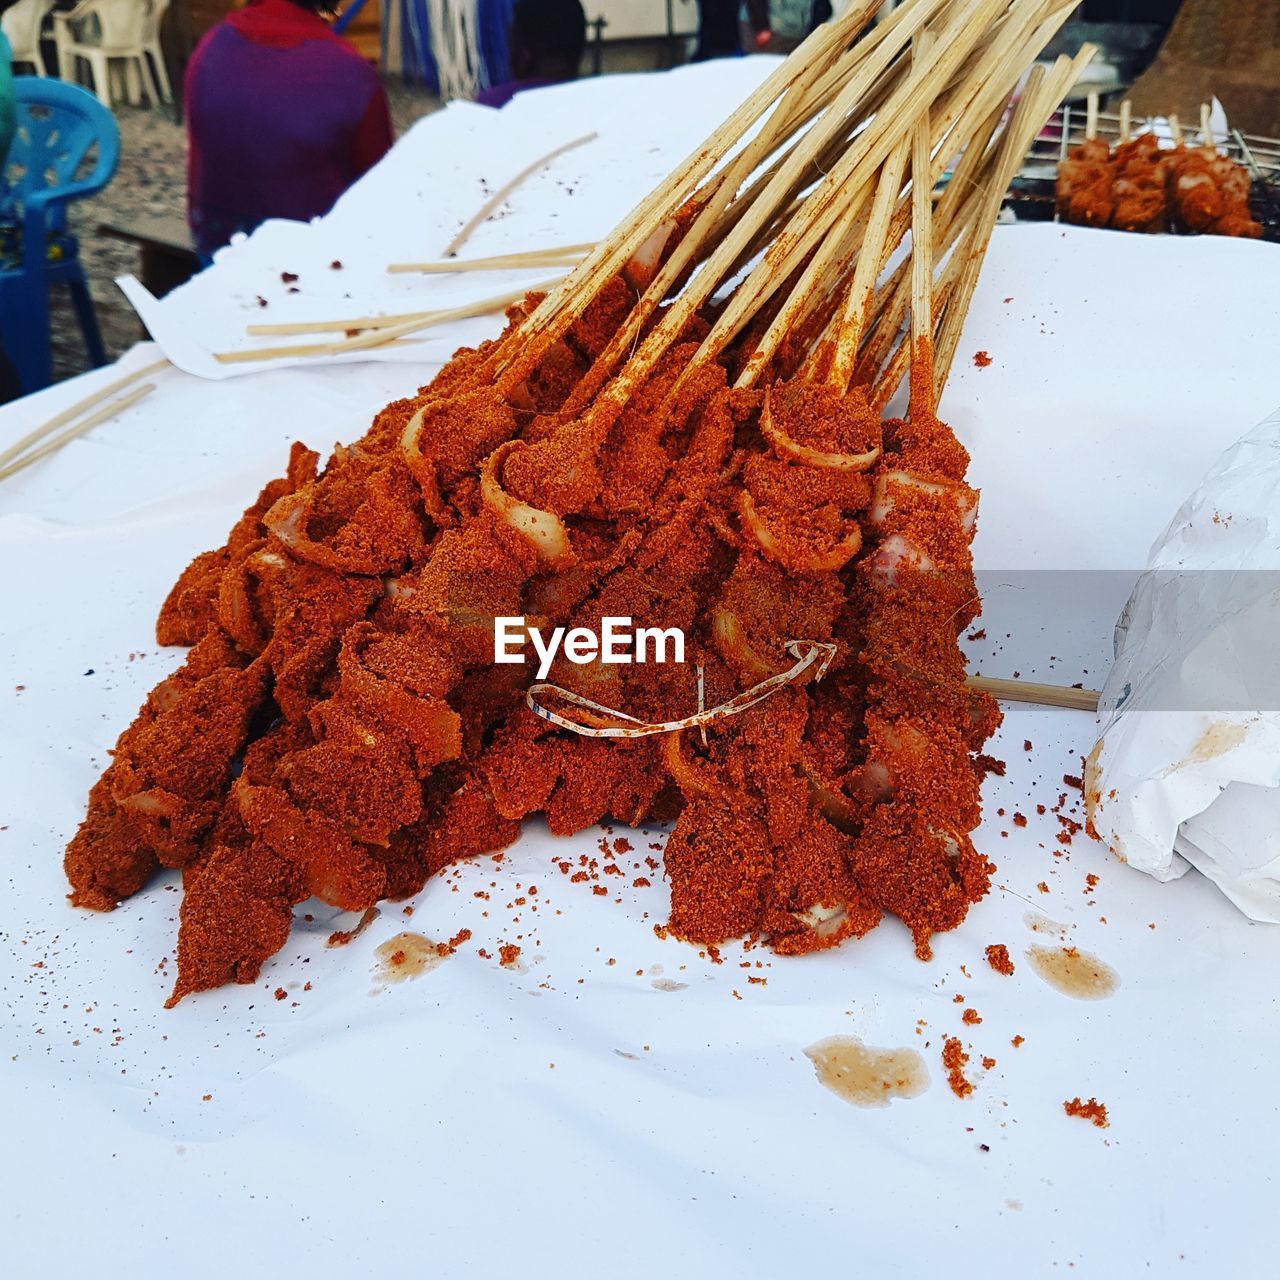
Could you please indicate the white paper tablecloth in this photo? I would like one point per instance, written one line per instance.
(575, 1119)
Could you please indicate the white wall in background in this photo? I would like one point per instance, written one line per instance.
(630, 19)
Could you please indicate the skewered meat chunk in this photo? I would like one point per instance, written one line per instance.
(1141, 187)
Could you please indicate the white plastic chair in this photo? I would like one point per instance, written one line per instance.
(21, 25)
(101, 33)
(153, 55)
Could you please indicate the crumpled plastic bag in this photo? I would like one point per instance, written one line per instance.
(1186, 768)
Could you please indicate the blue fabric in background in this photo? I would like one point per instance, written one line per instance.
(494, 21)
(495, 50)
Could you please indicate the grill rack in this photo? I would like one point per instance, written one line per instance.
(1032, 191)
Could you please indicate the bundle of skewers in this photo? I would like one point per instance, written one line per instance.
(688, 431)
(1134, 182)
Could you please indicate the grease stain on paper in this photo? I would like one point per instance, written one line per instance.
(866, 1076)
(1074, 972)
(406, 956)
(1038, 923)
(1219, 738)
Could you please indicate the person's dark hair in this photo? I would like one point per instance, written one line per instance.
(547, 38)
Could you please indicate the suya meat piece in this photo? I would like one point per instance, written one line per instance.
(1083, 190)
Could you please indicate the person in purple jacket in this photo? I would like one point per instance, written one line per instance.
(282, 117)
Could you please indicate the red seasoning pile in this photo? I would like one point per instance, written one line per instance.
(688, 432)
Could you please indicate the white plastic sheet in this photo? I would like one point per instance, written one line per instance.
(1189, 754)
(582, 1117)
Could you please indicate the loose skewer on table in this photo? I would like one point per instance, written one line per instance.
(1044, 695)
(496, 200)
(23, 452)
(105, 414)
(568, 255)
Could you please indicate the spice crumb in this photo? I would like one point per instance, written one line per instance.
(1093, 1111)
(954, 1060)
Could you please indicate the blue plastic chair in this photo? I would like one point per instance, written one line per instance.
(58, 126)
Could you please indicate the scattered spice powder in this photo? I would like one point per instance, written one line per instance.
(971, 1017)
(508, 954)
(954, 1061)
(998, 959)
(981, 359)
(448, 948)
(1093, 1110)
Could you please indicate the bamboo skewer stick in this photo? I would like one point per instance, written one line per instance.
(971, 249)
(959, 189)
(74, 411)
(1040, 95)
(547, 323)
(1046, 695)
(964, 111)
(684, 253)
(1126, 119)
(922, 392)
(713, 271)
(805, 287)
(496, 200)
(107, 412)
(893, 300)
(900, 361)
(609, 403)
(958, 207)
(549, 257)
(1043, 92)
(1206, 128)
(870, 264)
(858, 163)
(297, 350)
(378, 330)
(1091, 118)
(962, 213)
(1175, 129)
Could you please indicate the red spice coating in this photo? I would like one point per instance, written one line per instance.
(340, 730)
(1093, 1110)
(954, 1061)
